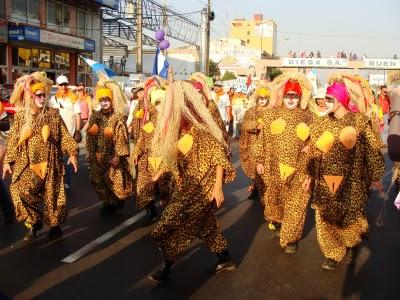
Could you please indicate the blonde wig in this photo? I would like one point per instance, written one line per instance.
(278, 87)
(182, 101)
(23, 97)
(254, 97)
(119, 100)
(202, 78)
(354, 89)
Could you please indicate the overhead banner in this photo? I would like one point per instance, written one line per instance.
(371, 63)
(315, 62)
(23, 33)
(64, 40)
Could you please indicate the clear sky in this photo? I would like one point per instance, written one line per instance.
(360, 26)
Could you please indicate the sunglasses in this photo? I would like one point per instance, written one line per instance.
(43, 95)
(63, 84)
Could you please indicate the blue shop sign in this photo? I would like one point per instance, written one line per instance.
(110, 3)
(23, 33)
(89, 45)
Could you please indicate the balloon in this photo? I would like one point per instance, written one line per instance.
(160, 35)
(164, 45)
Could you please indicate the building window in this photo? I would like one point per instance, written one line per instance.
(33, 11)
(3, 51)
(80, 22)
(61, 60)
(54, 15)
(89, 24)
(2, 7)
(45, 59)
(66, 20)
(18, 10)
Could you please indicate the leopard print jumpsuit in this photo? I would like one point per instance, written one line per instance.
(29, 191)
(189, 213)
(341, 217)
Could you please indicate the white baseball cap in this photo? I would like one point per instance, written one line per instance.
(62, 79)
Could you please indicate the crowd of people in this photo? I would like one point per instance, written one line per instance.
(170, 143)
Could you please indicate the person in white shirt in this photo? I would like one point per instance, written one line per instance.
(223, 103)
(67, 103)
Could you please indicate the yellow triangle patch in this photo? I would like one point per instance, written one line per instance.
(348, 137)
(45, 132)
(333, 182)
(155, 162)
(325, 142)
(40, 169)
(148, 127)
(303, 131)
(285, 171)
(185, 143)
(139, 114)
(278, 126)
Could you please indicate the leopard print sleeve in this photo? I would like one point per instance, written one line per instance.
(12, 140)
(121, 139)
(91, 139)
(373, 156)
(250, 123)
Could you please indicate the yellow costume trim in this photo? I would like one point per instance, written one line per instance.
(263, 93)
(39, 169)
(45, 132)
(26, 133)
(108, 132)
(104, 92)
(185, 143)
(303, 131)
(155, 162)
(278, 126)
(93, 130)
(285, 171)
(333, 182)
(325, 141)
(348, 137)
(139, 114)
(38, 86)
(148, 127)
(157, 95)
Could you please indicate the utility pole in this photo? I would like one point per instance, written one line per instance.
(139, 41)
(206, 17)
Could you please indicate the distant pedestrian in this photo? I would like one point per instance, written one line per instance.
(111, 62)
(123, 63)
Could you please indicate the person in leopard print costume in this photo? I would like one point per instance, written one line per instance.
(282, 161)
(108, 148)
(35, 147)
(346, 161)
(189, 144)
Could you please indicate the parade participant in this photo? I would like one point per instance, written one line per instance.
(189, 144)
(346, 161)
(35, 145)
(200, 84)
(85, 103)
(146, 198)
(319, 97)
(5, 201)
(282, 162)
(68, 106)
(238, 110)
(108, 149)
(257, 115)
(223, 103)
(384, 103)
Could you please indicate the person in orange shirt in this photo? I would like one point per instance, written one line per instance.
(384, 103)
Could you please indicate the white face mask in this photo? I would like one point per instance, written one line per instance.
(291, 103)
(105, 104)
(262, 102)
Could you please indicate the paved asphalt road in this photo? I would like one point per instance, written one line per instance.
(118, 268)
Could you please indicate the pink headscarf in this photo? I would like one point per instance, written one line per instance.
(339, 91)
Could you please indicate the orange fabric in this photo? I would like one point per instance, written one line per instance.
(384, 103)
(69, 94)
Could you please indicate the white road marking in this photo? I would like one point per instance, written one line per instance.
(103, 238)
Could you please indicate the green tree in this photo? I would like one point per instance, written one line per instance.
(214, 70)
(228, 76)
(274, 72)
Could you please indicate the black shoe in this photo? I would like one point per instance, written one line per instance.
(225, 263)
(119, 204)
(32, 231)
(291, 248)
(54, 233)
(107, 209)
(329, 264)
(162, 272)
(151, 214)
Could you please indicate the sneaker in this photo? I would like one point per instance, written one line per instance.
(329, 264)
(54, 233)
(291, 248)
(32, 231)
